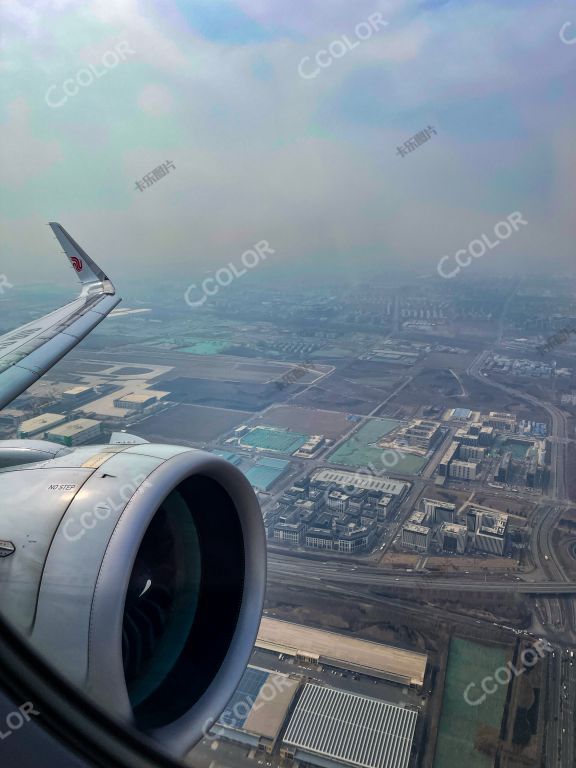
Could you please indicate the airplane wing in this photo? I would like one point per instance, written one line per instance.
(29, 351)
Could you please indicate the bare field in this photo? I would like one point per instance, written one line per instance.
(513, 506)
(383, 624)
(400, 560)
(308, 420)
(184, 424)
(456, 564)
(337, 393)
(433, 386)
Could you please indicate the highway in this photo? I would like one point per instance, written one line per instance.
(303, 572)
(561, 706)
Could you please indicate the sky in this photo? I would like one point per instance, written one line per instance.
(264, 144)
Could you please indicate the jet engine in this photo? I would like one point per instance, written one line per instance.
(138, 571)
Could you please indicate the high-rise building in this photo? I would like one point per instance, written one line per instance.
(463, 470)
(439, 511)
(416, 537)
(453, 537)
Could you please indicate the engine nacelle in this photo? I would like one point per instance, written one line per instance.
(139, 572)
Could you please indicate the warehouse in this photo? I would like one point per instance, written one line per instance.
(77, 395)
(75, 432)
(257, 711)
(136, 401)
(37, 426)
(347, 479)
(322, 647)
(331, 728)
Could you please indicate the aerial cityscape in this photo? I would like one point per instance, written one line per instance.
(410, 446)
(290, 480)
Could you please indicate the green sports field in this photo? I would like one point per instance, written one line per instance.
(281, 440)
(460, 722)
(362, 450)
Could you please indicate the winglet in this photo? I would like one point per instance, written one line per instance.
(86, 269)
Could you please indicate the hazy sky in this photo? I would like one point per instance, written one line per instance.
(308, 163)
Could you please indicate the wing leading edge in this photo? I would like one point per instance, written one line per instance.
(29, 351)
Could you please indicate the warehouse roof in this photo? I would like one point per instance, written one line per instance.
(343, 651)
(360, 480)
(260, 703)
(72, 428)
(350, 728)
(41, 421)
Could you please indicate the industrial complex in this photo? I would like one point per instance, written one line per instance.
(290, 716)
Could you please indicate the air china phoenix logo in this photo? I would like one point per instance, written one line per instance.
(76, 263)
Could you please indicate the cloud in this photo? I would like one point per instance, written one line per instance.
(262, 153)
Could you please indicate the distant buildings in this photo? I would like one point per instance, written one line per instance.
(497, 433)
(436, 525)
(334, 510)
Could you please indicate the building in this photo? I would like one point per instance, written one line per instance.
(505, 422)
(357, 500)
(491, 530)
(486, 436)
(338, 501)
(418, 517)
(439, 511)
(421, 433)
(502, 473)
(39, 425)
(77, 395)
(465, 437)
(135, 401)
(12, 417)
(463, 470)
(416, 537)
(305, 506)
(258, 709)
(347, 479)
(472, 453)
(75, 432)
(319, 538)
(453, 537)
(311, 446)
(449, 456)
(331, 728)
(460, 413)
(365, 657)
(354, 538)
(290, 532)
